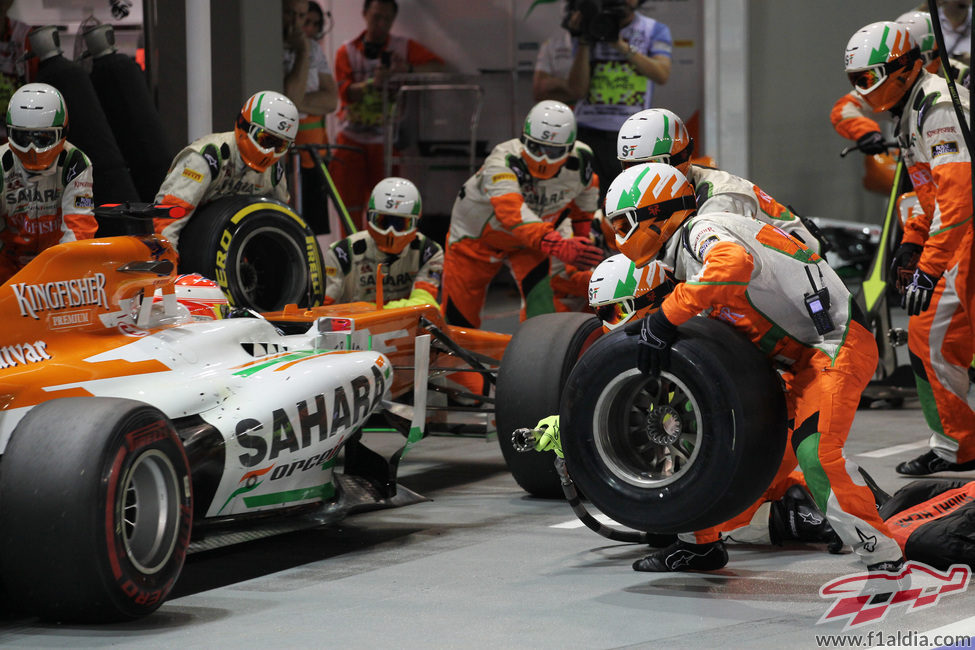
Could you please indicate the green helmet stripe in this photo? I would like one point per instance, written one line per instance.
(59, 116)
(627, 288)
(879, 55)
(257, 114)
(633, 194)
(665, 144)
(416, 208)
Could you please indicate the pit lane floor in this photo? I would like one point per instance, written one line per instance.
(482, 565)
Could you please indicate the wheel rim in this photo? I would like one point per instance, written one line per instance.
(271, 269)
(647, 430)
(150, 511)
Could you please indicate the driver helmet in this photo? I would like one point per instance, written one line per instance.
(547, 138)
(882, 63)
(393, 212)
(654, 135)
(266, 127)
(37, 119)
(922, 31)
(621, 292)
(646, 204)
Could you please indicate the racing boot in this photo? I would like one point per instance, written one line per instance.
(930, 463)
(684, 556)
(795, 517)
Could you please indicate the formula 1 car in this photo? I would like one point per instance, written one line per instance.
(129, 428)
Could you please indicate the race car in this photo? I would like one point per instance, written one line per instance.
(130, 427)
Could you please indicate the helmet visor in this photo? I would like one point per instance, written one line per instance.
(392, 223)
(625, 222)
(868, 80)
(550, 151)
(264, 139)
(674, 160)
(615, 314)
(40, 139)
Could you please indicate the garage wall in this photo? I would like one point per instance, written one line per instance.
(795, 73)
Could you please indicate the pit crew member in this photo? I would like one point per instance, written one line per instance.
(412, 262)
(243, 161)
(45, 181)
(793, 307)
(529, 206)
(659, 135)
(932, 264)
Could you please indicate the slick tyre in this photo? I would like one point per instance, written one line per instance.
(95, 510)
(681, 452)
(260, 252)
(533, 371)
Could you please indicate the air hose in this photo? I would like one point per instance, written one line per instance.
(523, 440)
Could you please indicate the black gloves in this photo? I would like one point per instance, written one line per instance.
(872, 143)
(657, 334)
(917, 296)
(904, 262)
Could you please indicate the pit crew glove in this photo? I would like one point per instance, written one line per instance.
(917, 296)
(417, 297)
(576, 251)
(549, 440)
(657, 334)
(871, 143)
(902, 267)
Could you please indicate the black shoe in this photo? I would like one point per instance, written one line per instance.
(795, 517)
(683, 556)
(930, 463)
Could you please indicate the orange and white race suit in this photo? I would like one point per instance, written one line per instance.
(207, 169)
(755, 277)
(500, 216)
(350, 269)
(940, 338)
(42, 209)
(718, 191)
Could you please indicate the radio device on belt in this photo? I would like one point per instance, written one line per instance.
(817, 304)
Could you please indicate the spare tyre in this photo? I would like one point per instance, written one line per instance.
(261, 253)
(680, 452)
(533, 371)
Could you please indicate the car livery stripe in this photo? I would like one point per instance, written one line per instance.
(326, 491)
(291, 363)
(291, 356)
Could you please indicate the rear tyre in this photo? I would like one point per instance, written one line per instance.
(260, 252)
(681, 452)
(95, 510)
(533, 371)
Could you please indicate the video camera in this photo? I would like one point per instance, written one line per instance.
(601, 19)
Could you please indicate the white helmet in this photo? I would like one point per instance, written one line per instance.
(922, 31)
(547, 138)
(882, 62)
(266, 127)
(393, 212)
(654, 135)
(620, 292)
(36, 121)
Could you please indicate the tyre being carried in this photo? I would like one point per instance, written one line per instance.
(260, 252)
(680, 452)
(533, 371)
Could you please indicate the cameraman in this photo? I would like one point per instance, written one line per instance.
(613, 72)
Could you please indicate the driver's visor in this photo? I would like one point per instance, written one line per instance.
(40, 139)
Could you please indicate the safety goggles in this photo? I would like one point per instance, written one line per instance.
(40, 139)
(550, 151)
(615, 314)
(263, 138)
(866, 81)
(673, 160)
(624, 223)
(394, 223)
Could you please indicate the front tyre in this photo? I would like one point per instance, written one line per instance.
(95, 510)
(680, 452)
(260, 252)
